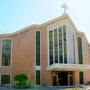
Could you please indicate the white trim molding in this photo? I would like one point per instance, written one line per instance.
(69, 67)
(38, 67)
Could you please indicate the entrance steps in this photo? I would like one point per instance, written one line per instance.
(78, 87)
(75, 87)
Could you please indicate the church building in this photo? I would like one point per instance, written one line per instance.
(53, 53)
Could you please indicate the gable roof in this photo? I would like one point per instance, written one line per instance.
(66, 16)
(43, 24)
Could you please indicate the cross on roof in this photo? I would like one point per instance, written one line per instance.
(65, 7)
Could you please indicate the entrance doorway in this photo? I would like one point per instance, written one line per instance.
(55, 80)
(70, 79)
(62, 78)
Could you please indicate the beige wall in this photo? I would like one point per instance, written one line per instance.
(46, 77)
(24, 53)
(84, 48)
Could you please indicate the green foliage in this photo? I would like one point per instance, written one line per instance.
(22, 78)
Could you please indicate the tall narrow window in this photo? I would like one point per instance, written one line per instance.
(6, 52)
(80, 50)
(65, 44)
(60, 46)
(5, 79)
(50, 47)
(37, 77)
(81, 79)
(74, 49)
(55, 46)
(37, 47)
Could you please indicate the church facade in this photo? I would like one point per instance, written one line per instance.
(54, 53)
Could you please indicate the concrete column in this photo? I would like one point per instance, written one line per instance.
(76, 77)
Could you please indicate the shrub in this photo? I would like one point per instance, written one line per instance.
(21, 79)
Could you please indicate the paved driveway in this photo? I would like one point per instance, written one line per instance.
(46, 88)
(42, 88)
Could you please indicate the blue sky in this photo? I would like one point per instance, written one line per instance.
(16, 14)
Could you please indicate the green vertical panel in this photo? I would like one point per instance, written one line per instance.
(6, 52)
(65, 44)
(55, 46)
(37, 48)
(60, 46)
(81, 79)
(50, 47)
(74, 49)
(37, 77)
(80, 50)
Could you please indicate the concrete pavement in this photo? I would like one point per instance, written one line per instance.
(39, 88)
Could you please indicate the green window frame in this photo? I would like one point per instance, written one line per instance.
(6, 52)
(50, 47)
(80, 50)
(81, 77)
(60, 46)
(38, 48)
(65, 44)
(55, 46)
(5, 79)
(37, 77)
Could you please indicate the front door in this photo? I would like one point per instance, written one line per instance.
(70, 80)
(55, 80)
(63, 78)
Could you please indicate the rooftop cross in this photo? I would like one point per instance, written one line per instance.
(65, 7)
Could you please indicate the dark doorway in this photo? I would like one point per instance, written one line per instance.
(70, 80)
(62, 78)
(55, 80)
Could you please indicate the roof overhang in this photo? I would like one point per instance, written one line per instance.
(68, 67)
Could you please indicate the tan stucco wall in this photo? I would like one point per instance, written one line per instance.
(46, 78)
(24, 54)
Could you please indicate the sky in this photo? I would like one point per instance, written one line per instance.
(17, 14)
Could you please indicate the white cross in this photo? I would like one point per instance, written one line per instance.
(65, 7)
